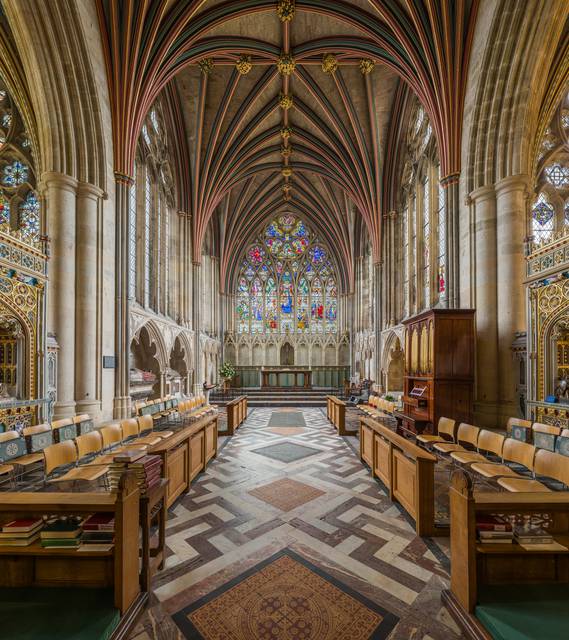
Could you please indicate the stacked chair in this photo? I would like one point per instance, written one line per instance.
(377, 407)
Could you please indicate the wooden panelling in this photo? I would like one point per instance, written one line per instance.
(197, 454)
(210, 442)
(177, 472)
(382, 460)
(404, 480)
(366, 445)
(236, 414)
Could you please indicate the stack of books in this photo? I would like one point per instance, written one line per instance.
(98, 532)
(21, 533)
(61, 534)
(147, 468)
(535, 538)
(494, 530)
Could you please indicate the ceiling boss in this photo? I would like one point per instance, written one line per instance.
(285, 10)
(244, 65)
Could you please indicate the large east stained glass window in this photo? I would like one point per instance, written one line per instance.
(287, 282)
(19, 203)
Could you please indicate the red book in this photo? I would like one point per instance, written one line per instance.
(22, 526)
(492, 523)
(100, 522)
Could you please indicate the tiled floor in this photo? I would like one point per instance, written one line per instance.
(323, 506)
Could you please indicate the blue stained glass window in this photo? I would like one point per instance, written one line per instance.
(15, 174)
(4, 209)
(30, 216)
(287, 282)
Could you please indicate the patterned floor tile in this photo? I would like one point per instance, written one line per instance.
(285, 597)
(352, 530)
(286, 494)
(290, 418)
(286, 452)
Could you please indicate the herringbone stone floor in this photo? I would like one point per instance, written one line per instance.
(324, 506)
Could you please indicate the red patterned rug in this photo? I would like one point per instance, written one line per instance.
(285, 598)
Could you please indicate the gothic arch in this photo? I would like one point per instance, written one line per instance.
(507, 93)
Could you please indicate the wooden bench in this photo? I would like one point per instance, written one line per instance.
(503, 591)
(336, 413)
(185, 453)
(407, 470)
(236, 414)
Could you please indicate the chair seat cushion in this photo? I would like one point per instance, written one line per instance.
(32, 458)
(448, 447)
(430, 439)
(522, 485)
(492, 470)
(466, 457)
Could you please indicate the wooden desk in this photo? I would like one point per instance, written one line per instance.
(236, 414)
(307, 373)
(408, 472)
(151, 506)
(185, 453)
(336, 413)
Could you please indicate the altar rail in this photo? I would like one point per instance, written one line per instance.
(408, 472)
(325, 377)
(236, 414)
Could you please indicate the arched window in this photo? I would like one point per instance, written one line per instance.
(287, 282)
(19, 204)
(151, 207)
(423, 228)
(549, 211)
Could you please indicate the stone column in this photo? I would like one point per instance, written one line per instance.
(162, 384)
(87, 251)
(451, 184)
(60, 198)
(196, 278)
(378, 320)
(512, 194)
(181, 267)
(122, 400)
(483, 201)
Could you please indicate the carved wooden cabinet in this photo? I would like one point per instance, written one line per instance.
(439, 368)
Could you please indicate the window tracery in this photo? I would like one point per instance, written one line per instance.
(549, 211)
(287, 282)
(19, 203)
(151, 207)
(423, 221)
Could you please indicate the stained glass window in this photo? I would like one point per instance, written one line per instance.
(287, 282)
(19, 202)
(441, 232)
(132, 238)
(147, 237)
(557, 175)
(543, 219)
(405, 259)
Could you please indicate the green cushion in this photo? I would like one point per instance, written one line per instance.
(59, 613)
(524, 611)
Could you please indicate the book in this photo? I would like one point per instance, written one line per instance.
(55, 543)
(544, 546)
(19, 542)
(492, 523)
(22, 525)
(94, 547)
(129, 455)
(496, 540)
(495, 535)
(532, 535)
(20, 534)
(100, 522)
(89, 537)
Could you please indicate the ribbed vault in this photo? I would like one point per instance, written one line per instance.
(286, 104)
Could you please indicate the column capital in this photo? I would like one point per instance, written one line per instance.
(482, 193)
(184, 214)
(88, 190)
(123, 178)
(450, 179)
(197, 263)
(51, 179)
(519, 182)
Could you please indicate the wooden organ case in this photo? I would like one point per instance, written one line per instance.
(439, 368)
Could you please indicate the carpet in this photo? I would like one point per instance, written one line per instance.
(286, 494)
(286, 431)
(286, 452)
(291, 418)
(285, 598)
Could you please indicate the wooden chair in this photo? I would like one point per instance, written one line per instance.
(514, 451)
(34, 437)
(112, 436)
(547, 465)
(446, 432)
(7, 470)
(129, 428)
(60, 456)
(89, 445)
(147, 433)
(466, 440)
(517, 422)
(489, 442)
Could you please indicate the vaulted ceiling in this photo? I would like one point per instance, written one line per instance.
(286, 106)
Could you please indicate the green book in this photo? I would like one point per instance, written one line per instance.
(61, 542)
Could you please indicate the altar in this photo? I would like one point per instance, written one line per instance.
(286, 377)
